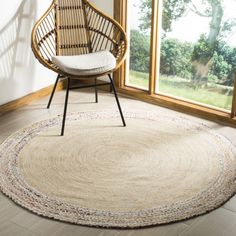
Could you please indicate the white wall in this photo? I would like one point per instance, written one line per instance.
(104, 5)
(20, 73)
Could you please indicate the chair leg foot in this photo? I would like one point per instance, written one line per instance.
(96, 91)
(65, 107)
(53, 91)
(117, 100)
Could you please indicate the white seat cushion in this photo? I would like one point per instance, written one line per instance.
(86, 64)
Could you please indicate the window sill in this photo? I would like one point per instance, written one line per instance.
(180, 105)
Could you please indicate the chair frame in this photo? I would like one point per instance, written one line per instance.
(102, 32)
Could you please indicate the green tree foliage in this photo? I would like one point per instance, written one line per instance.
(220, 67)
(224, 64)
(139, 51)
(146, 15)
(203, 50)
(173, 10)
(175, 58)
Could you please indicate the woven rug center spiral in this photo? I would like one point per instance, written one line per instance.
(157, 170)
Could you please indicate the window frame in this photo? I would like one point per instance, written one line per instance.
(204, 111)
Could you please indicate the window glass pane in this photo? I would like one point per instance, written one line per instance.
(139, 28)
(197, 50)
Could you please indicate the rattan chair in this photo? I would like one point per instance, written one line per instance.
(76, 40)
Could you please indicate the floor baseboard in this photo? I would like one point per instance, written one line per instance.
(20, 102)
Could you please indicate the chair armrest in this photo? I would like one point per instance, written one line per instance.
(43, 38)
(105, 33)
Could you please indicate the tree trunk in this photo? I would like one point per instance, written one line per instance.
(201, 66)
(200, 71)
(215, 25)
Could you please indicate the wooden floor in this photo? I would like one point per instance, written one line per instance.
(15, 221)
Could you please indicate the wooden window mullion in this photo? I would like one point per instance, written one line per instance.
(120, 14)
(153, 54)
(233, 111)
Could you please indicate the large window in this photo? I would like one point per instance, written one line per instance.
(194, 53)
(139, 53)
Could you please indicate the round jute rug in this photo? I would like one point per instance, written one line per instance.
(157, 170)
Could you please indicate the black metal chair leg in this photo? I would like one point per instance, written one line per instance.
(96, 91)
(53, 91)
(65, 106)
(117, 100)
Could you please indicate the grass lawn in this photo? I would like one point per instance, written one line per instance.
(182, 89)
